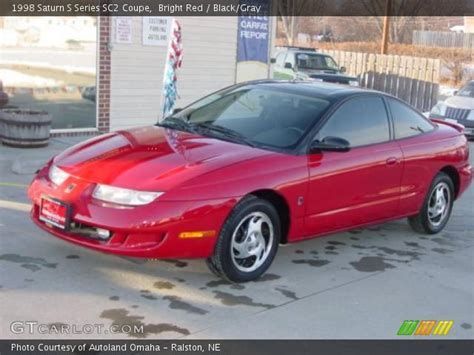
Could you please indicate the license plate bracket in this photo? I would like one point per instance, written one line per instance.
(55, 212)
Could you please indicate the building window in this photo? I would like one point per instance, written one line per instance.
(51, 67)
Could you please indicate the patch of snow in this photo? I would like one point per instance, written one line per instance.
(445, 90)
(44, 65)
(457, 28)
(13, 78)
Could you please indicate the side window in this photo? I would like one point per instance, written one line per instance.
(280, 59)
(360, 121)
(407, 122)
(330, 63)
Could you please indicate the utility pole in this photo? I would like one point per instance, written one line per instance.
(386, 28)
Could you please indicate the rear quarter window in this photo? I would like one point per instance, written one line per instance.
(407, 122)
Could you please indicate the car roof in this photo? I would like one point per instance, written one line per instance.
(304, 51)
(312, 53)
(317, 89)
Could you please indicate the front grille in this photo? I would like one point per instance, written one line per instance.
(336, 81)
(331, 80)
(456, 113)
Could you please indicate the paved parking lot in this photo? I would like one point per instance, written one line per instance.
(359, 284)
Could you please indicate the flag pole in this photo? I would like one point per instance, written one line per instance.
(174, 57)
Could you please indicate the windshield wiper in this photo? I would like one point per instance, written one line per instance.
(176, 123)
(226, 132)
(182, 125)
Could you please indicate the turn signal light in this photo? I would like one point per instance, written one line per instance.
(198, 234)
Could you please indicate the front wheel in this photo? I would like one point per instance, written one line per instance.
(248, 241)
(436, 209)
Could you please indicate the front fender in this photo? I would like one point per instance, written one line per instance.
(285, 174)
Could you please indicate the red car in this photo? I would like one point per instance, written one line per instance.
(257, 164)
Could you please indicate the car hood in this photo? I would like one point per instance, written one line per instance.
(460, 102)
(328, 75)
(150, 158)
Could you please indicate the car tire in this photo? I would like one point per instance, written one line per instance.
(213, 268)
(437, 206)
(248, 241)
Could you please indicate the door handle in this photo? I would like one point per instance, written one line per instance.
(391, 161)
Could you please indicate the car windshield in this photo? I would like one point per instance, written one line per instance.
(257, 116)
(467, 91)
(315, 61)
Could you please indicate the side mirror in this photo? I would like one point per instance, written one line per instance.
(273, 60)
(288, 66)
(176, 110)
(342, 69)
(330, 144)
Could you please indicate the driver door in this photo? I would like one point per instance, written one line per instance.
(362, 185)
(279, 69)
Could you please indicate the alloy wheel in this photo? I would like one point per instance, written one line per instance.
(439, 204)
(252, 241)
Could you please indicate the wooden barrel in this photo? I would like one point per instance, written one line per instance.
(24, 128)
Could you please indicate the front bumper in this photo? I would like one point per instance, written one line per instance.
(150, 231)
(468, 128)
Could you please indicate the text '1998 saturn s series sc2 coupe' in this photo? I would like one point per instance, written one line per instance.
(254, 165)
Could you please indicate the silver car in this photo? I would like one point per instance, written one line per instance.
(458, 108)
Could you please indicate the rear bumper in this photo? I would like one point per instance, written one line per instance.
(465, 178)
(151, 231)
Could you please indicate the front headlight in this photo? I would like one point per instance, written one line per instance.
(353, 83)
(470, 117)
(439, 109)
(56, 175)
(122, 196)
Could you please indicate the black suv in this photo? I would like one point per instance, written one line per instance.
(305, 63)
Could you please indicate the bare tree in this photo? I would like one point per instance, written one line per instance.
(290, 12)
(403, 14)
(456, 62)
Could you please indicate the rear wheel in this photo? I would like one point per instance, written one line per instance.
(436, 209)
(248, 241)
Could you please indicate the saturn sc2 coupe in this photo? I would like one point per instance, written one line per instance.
(255, 165)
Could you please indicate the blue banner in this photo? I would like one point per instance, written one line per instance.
(253, 35)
